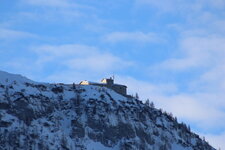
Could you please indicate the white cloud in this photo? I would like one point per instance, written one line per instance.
(200, 108)
(70, 50)
(83, 58)
(146, 89)
(9, 34)
(212, 81)
(163, 5)
(69, 76)
(62, 54)
(182, 7)
(62, 11)
(216, 140)
(195, 109)
(76, 62)
(65, 15)
(190, 6)
(197, 52)
(199, 49)
(207, 96)
(218, 4)
(49, 3)
(131, 36)
(99, 62)
(218, 25)
(203, 102)
(63, 4)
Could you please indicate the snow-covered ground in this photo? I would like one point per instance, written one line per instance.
(60, 116)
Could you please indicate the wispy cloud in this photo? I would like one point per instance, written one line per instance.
(197, 52)
(216, 140)
(80, 57)
(192, 108)
(71, 63)
(205, 54)
(99, 62)
(201, 109)
(56, 10)
(51, 3)
(182, 5)
(115, 37)
(203, 102)
(55, 3)
(195, 27)
(66, 50)
(146, 89)
(9, 34)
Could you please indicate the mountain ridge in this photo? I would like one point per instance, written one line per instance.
(46, 116)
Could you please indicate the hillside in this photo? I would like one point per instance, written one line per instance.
(42, 116)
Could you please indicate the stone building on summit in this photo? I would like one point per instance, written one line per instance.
(109, 83)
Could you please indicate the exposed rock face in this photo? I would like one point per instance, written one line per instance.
(57, 116)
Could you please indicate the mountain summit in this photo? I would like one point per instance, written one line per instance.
(42, 116)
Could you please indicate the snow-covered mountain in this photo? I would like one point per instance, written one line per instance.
(41, 116)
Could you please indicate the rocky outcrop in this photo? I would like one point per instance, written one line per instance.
(58, 116)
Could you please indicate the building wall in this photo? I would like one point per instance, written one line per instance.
(108, 81)
(121, 89)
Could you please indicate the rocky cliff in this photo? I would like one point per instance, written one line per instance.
(41, 116)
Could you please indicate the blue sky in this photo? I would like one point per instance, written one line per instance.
(170, 51)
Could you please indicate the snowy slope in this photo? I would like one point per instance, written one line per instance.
(41, 116)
